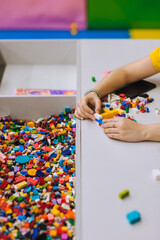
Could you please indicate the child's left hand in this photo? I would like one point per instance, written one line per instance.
(124, 129)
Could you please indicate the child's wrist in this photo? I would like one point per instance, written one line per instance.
(145, 132)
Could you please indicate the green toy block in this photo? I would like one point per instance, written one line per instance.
(124, 194)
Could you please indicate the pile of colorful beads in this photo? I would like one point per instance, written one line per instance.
(37, 178)
(139, 104)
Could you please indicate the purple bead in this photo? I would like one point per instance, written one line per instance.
(59, 201)
(54, 201)
(64, 236)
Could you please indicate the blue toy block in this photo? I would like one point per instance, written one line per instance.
(100, 121)
(40, 173)
(122, 115)
(22, 159)
(133, 217)
(66, 152)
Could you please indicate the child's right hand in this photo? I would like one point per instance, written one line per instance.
(83, 110)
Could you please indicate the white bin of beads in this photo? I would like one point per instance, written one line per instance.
(37, 64)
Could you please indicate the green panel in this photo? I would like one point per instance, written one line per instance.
(123, 14)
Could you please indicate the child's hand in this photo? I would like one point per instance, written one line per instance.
(83, 110)
(124, 129)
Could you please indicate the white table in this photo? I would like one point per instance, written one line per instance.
(106, 166)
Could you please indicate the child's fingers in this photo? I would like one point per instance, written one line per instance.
(84, 107)
(115, 119)
(114, 136)
(109, 125)
(111, 130)
(78, 114)
(86, 114)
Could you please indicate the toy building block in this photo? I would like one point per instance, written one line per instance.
(93, 79)
(133, 217)
(97, 116)
(120, 111)
(4, 184)
(156, 174)
(157, 111)
(20, 179)
(2, 157)
(32, 181)
(100, 122)
(106, 110)
(109, 114)
(124, 194)
(22, 184)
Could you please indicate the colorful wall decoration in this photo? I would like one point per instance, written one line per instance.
(42, 14)
(123, 14)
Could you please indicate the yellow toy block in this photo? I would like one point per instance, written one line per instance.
(106, 110)
(64, 229)
(31, 124)
(110, 114)
(120, 111)
(22, 184)
(68, 186)
(53, 233)
(133, 104)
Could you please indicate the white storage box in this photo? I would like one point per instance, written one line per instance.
(37, 64)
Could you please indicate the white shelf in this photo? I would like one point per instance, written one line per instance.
(42, 64)
(38, 77)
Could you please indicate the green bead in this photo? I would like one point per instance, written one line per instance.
(93, 79)
(34, 132)
(71, 221)
(124, 194)
(19, 199)
(7, 142)
(127, 110)
(11, 198)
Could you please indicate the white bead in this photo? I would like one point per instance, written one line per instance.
(97, 116)
(156, 174)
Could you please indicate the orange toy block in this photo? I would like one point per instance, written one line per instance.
(109, 114)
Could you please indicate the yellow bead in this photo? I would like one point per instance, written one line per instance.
(22, 184)
(68, 186)
(31, 124)
(56, 224)
(69, 234)
(9, 211)
(32, 172)
(8, 187)
(9, 224)
(55, 212)
(24, 195)
(47, 164)
(3, 229)
(64, 229)
(53, 127)
(53, 233)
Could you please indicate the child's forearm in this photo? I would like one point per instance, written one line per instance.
(152, 132)
(112, 81)
(127, 74)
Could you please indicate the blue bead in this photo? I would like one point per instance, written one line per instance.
(40, 173)
(133, 217)
(22, 159)
(66, 152)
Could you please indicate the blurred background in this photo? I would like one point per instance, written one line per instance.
(79, 19)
